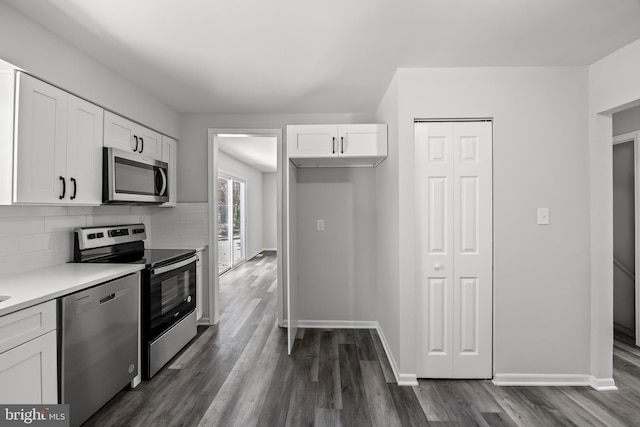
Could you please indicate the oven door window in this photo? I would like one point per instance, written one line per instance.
(172, 296)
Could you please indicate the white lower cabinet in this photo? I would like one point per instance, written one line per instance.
(28, 356)
(28, 372)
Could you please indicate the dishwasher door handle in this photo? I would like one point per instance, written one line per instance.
(107, 298)
(94, 301)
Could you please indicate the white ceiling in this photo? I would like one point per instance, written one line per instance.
(329, 56)
(259, 152)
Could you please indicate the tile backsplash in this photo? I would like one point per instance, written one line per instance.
(186, 225)
(39, 236)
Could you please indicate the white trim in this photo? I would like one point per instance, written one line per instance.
(212, 144)
(603, 384)
(337, 324)
(635, 138)
(533, 380)
(268, 249)
(625, 137)
(401, 379)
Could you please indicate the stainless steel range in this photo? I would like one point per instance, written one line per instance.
(168, 299)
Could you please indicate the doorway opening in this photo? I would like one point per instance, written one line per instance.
(245, 198)
(231, 222)
(626, 237)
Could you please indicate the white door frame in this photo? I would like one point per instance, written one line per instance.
(492, 204)
(214, 282)
(635, 138)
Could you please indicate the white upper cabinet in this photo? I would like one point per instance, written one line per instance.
(50, 144)
(169, 154)
(129, 136)
(84, 152)
(337, 145)
(312, 140)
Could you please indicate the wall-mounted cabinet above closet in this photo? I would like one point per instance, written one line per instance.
(353, 145)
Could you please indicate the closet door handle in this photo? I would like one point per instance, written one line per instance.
(342, 145)
(64, 188)
(75, 188)
(136, 138)
(141, 145)
(333, 145)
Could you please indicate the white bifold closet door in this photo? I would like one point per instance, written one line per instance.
(455, 245)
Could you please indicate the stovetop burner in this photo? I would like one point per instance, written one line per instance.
(122, 244)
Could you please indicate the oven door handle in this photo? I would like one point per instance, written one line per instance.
(174, 266)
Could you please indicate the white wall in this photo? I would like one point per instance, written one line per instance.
(336, 267)
(253, 193)
(541, 282)
(193, 148)
(43, 54)
(613, 86)
(387, 214)
(269, 211)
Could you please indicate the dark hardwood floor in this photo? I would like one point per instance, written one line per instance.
(238, 373)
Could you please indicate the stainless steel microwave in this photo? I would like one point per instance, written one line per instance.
(130, 178)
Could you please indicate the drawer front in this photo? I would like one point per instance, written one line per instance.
(24, 325)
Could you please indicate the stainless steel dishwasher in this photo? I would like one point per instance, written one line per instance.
(98, 344)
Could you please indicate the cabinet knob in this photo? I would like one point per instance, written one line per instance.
(437, 266)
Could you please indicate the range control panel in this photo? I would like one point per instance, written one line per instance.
(95, 237)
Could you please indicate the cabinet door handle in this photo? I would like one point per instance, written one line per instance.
(136, 138)
(342, 145)
(141, 145)
(64, 188)
(75, 187)
(333, 145)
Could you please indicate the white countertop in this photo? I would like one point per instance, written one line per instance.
(36, 286)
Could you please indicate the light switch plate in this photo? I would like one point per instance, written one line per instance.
(320, 225)
(543, 216)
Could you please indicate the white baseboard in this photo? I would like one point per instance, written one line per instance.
(603, 384)
(268, 249)
(532, 380)
(401, 379)
(337, 324)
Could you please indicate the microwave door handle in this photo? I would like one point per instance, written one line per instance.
(164, 181)
(174, 266)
